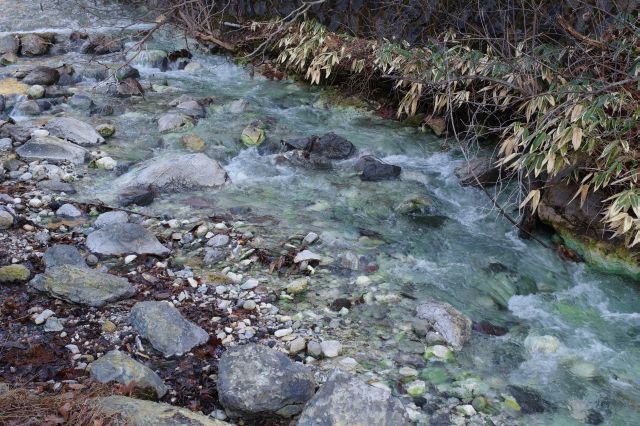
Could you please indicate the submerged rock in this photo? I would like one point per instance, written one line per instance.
(165, 328)
(124, 238)
(74, 131)
(175, 172)
(138, 412)
(376, 170)
(173, 122)
(257, 381)
(52, 149)
(446, 321)
(137, 196)
(332, 146)
(116, 366)
(529, 400)
(345, 400)
(84, 286)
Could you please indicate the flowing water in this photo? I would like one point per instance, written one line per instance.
(467, 256)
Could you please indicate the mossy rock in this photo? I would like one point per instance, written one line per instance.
(253, 136)
(193, 143)
(12, 274)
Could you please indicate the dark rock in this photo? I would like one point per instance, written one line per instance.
(127, 71)
(340, 303)
(305, 159)
(129, 87)
(345, 400)
(529, 400)
(332, 146)
(375, 170)
(136, 196)
(42, 75)
(257, 381)
(483, 168)
(594, 418)
(413, 360)
(485, 327)
(63, 254)
(100, 45)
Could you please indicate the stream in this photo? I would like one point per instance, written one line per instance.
(573, 333)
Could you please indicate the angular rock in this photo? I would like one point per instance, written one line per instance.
(52, 149)
(257, 381)
(129, 87)
(69, 211)
(127, 71)
(300, 158)
(74, 131)
(483, 168)
(175, 172)
(116, 366)
(44, 76)
(174, 123)
(444, 319)
(124, 238)
(63, 254)
(138, 412)
(333, 147)
(137, 196)
(165, 328)
(82, 285)
(376, 170)
(192, 109)
(345, 400)
(110, 218)
(100, 45)
(33, 45)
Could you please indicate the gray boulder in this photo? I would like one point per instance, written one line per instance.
(34, 45)
(124, 238)
(165, 328)
(442, 318)
(9, 43)
(63, 254)
(116, 366)
(174, 173)
(74, 131)
(44, 76)
(173, 122)
(345, 400)
(52, 149)
(191, 108)
(82, 285)
(257, 381)
(111, 218)
(137, 412)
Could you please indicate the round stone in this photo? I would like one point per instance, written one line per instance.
(6, 220)
(35, 92)
(331, 348)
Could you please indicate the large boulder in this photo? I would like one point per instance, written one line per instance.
(175, 172)
(44, 76)
(442, 318)
(257, 381)
(9, 43)
(137, 412)
(74, 130)
(124, 238)
(165, 328)
(52, 149)
(481, 171)
(345, 400)
(116, 366)
(330, 146)
(82, 285)
(34, 45)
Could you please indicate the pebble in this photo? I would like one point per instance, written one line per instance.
(417, 388)
(42, 316)
(363, 280)
(53, 324)
(106, 163)
(348, 364)
(250, 284)
(310, 238)
(73, 349)
(408, 372)
(298, 286)
(466, 410)
(108, 327)
(314, 349)
(130, 258)
(68, 210)
(249, 305)
(283, 332)
(297, 345)
(331, 348)
(6, 220)
(92, 260)
(219, 240)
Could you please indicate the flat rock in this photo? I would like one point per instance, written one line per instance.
(124, 238)
(63, 254)
(175, 173)
(55, 185)
(74, 130)
(84, 286)
(345, 400)
(165, 328)
(257, 381)
(116, 366)
(68, 211)
(52, 149)
(111, 218)
(138, 412)
(448, 322)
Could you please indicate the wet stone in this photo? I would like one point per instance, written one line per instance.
(124, 238)
(165, 328)
(257, 381)
(136, 196)
(52, 149)
(41, 75)
(74, 130)
(446, 321)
